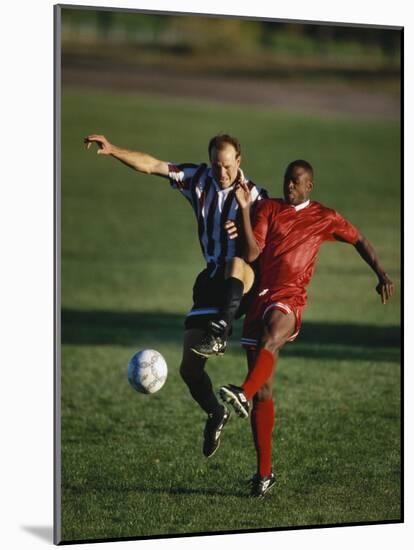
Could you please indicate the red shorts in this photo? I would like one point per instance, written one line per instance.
(261, 306)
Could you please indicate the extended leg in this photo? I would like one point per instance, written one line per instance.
(278, 327)
(193, 372)
(262, 422)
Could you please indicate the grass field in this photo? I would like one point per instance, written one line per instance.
(132, 464)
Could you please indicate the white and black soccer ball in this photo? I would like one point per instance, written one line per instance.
(147, 371)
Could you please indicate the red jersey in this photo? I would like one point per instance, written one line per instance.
(289, 238)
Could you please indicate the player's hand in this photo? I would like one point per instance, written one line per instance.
(104, 147)
(231, 229)
(242, 193)
(385, 288)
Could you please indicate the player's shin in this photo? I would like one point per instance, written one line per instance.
(233, 294)
(260, 373)
(201, 388)
(262, 421)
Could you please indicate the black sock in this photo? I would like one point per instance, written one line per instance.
(233, 294)
(201, 390)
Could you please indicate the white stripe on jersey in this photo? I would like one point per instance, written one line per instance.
(218, 224)
(231, 246)
(209, 196)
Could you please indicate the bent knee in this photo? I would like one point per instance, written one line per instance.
(238, 263)
(236, 268)
(274, 343)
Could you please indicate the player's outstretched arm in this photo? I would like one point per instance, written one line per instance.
(142, 162)
(385, 286)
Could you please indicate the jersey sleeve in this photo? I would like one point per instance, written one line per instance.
(258, 194)
(342, 230)
(185, 177)
(260, 222)
(263, 194)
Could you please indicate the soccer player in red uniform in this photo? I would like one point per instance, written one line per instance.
(285, 235)
(224, 284)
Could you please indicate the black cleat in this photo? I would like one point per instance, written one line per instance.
(252, 479)
(261, 485)
(212, 431)
(213, 342)
(235, 396)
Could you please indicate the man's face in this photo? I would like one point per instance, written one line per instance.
(225, 165)
(297, 185)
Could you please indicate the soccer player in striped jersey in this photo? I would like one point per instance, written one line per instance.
(221, 290)
(285, 235)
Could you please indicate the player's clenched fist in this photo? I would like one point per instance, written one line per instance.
(104, 147)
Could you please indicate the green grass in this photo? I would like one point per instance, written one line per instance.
(132, 464)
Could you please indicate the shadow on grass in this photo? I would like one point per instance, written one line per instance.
(147, 329)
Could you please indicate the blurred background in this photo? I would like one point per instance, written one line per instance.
(289, 65)
(165, 84)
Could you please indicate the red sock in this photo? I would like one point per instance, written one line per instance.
(263, 420)
(260, 373)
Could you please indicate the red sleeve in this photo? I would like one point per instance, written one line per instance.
(260, 222)
(343, 230)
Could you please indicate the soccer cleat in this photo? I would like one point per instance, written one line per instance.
(213, 341)
(252, 479)
(235, 396)
(212, 431)
(210, 345)
(261, 485)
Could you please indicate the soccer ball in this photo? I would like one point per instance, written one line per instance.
(147, 371)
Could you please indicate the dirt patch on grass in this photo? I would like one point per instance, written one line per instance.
(308, 96)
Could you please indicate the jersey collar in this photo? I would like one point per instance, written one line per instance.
(300, 206)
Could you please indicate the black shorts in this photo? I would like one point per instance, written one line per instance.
(208, 295)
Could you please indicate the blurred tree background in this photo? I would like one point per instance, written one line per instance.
(230, 46)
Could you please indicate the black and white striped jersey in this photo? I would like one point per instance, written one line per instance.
(212, 206)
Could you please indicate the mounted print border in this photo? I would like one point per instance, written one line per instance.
(130, 466)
